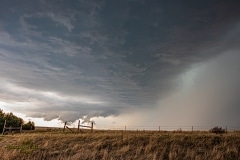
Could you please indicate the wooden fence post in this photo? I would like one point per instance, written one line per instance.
(64, 126)
(21, 128)
(92, 127)
(78, 126)
(4, 127)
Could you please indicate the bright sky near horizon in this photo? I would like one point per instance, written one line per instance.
(128, 62)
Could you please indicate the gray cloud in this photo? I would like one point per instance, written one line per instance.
(208, 95)
(103, 58)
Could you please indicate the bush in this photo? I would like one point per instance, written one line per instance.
(28, 126)
(217, 130)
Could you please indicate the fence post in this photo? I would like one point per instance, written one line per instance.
(125, 128)
(92, 127)
(192, 129)
(4, 127)
(64, 126)
(159, 128)
(21, 128)
(78, 126)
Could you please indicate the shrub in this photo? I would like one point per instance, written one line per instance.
(28, 126)
(217, 130)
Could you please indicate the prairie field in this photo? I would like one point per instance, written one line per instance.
(119, 145)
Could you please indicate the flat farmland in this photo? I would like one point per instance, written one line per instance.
(51, 144)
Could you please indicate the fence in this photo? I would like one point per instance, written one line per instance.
(10, 128)
(166, 128)
(79, 127)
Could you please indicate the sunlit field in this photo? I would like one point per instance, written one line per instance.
(53, 144)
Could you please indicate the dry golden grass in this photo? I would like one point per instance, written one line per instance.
(110, 145)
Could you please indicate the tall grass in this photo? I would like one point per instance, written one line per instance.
(119, 145)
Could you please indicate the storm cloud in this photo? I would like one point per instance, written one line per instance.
(71, 59)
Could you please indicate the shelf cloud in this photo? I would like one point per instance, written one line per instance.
(74, 59)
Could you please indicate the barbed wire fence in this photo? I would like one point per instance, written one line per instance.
(166, 128)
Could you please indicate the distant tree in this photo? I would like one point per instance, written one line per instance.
(2, 119)
(13, 120)
(29, 126)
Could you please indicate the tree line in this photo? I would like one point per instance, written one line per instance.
(14, 121)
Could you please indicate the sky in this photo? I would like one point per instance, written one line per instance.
(128, 62)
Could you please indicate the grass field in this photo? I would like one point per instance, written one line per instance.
(141, 145)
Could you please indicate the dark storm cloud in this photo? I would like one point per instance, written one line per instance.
(101, 58)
